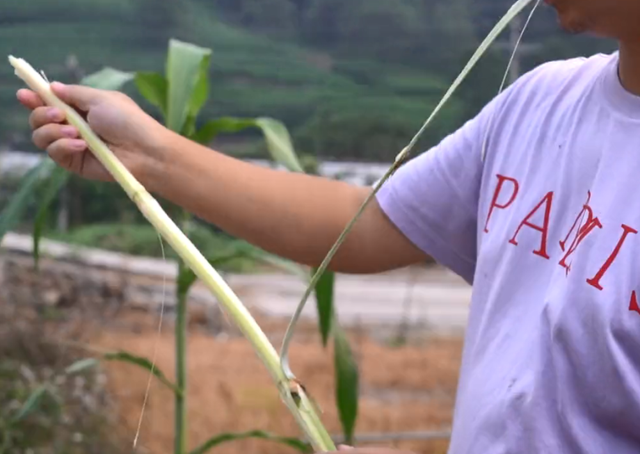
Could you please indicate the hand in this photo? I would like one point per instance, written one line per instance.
(134, 137)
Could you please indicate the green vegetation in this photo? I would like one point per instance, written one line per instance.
(351, 79)
(179, 93)
(142, 239)
(42, 408)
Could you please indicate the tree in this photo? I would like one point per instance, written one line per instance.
(355, 27)
(449, 35)
(362, 24)
(320, 22)
(275, 17)
(158, 20)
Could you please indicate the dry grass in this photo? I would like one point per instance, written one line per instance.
(76, 413)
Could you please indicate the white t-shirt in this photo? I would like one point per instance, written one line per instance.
(546, 229)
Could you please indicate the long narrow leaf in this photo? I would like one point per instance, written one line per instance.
(31, 404)
(143, 363)
(82, 365)
(12, 214)
(201, 89)
(183, 72)
(324, 301)
(58, 179)
(153, 87)
(285, 265)
(347, 383)
(186, 276)
(400, 159)
(212, 128)
(240, 248)
(227, 437)
(279, 143)
(198, 98)
(107, 79)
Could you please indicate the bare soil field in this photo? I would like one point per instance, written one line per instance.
(403, 388)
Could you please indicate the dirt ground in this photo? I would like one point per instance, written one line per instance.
(407, 388)
(403, 388)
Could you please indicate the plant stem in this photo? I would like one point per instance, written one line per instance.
(401, 158)
(181, 376)
(181, 430)
(293, 395)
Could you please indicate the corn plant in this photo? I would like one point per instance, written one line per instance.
(189, 62)
(179, 95)
(180, 104)
(292, 392)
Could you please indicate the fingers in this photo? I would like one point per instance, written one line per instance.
(44, 136)
(42, 116)
(29, 99)
(63, 151)
(74, 155)
(78, 96)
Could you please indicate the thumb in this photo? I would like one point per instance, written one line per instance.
(77, 96)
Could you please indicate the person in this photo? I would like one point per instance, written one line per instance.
(534, 202)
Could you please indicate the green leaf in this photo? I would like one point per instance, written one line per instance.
(186, 91)
(107, 79)
(58, 179)
(279, 143)
(198, 98)
(324, 302)
(227, 437)
(153, 87)
(186, 278)
(201, 89)
(13, 212)
(239, 248)
(143, 363)
(235, 250)
(189, 128)
(284, 264)
(122, 356)
(31, 404)
(212, 128)
(347, 379)
(82, 365)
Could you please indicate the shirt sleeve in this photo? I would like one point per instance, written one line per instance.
(433, 198)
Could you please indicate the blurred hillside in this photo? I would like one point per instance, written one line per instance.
(352, 79)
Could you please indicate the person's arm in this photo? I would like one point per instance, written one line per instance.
(293, 215)
(296, 216)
